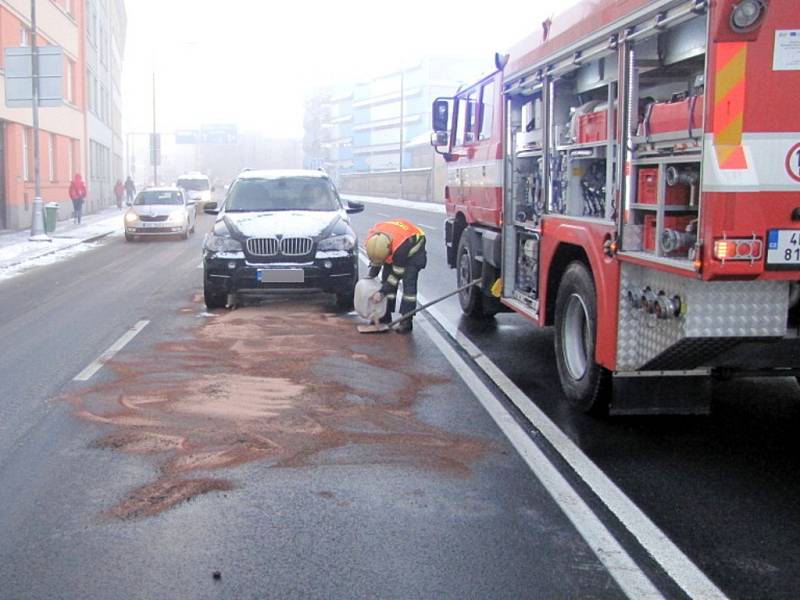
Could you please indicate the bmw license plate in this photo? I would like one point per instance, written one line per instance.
(280, 276)
(783, 248)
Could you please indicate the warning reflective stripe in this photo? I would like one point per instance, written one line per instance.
(391, 296)
(729, 98)
(398, 270)
(410, 298)
(417, 247)
(392, 280)
(764, 156)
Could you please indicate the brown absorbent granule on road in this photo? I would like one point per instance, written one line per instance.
(161, 495)
(294, 387)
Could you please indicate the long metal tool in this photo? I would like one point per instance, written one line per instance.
(385, 327)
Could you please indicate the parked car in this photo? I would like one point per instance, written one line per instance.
(159, 212)
(281, 231)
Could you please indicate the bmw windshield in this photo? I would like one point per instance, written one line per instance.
(289, 193)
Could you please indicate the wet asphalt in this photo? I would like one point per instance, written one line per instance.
(723, 487)
(350, 522)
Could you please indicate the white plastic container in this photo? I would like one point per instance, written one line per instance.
(365, 306)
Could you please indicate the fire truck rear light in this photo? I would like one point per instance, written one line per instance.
(742, 249)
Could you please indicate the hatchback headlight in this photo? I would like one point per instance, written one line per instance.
(338, 242)
(131, 217)
(220, 243)
(177, 215)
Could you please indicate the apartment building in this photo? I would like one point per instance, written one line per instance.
(106, 25)
(363, 133)
(62, 129)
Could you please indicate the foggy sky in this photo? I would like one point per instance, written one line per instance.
(252, 62)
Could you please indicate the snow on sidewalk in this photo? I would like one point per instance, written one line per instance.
(413, 205)
(18, 253)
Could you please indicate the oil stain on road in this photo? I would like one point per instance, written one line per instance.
(292, 386)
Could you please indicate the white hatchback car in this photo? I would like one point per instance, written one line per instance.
(159, 212)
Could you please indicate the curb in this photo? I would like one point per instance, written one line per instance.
(57, 250)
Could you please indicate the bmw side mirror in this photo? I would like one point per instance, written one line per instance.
(211, 208)
(354, 207)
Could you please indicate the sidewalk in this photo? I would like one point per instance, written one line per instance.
(412, 204)
(16, 249)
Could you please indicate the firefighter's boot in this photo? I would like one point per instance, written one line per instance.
(405, 326)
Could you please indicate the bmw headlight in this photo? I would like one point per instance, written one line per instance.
(344, 243)
(131, 218)
(221, 243)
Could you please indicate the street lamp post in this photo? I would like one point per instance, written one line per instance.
(154, 150)
(38, 232)
(402, 118)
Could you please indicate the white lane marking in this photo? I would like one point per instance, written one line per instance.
(380, 214)
(428, 227)
(674, 562)
(106, 356)
(620, 565)
(663, 550)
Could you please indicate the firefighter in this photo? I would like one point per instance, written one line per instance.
(396, 249)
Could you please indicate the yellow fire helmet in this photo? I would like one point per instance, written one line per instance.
(379, 245)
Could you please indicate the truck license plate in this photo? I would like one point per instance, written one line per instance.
(280, 275)
(783, 248)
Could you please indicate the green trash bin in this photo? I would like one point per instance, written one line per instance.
(50, 216)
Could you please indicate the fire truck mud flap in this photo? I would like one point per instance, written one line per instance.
(661, 393)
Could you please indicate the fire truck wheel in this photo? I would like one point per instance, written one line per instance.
(473, 304)
(585, 383)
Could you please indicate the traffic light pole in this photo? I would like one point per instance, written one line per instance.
(38, 232)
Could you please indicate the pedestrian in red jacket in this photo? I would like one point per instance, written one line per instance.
(77, 193)
(119, 192)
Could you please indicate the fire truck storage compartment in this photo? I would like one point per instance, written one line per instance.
(664, 133)
(527, 273)
(675, 223)
(527, 198)
(579, 165)
(682, 117)
(531, 136)
(677, 194)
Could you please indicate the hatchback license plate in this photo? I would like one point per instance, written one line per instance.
(281, 276)
(783, 248)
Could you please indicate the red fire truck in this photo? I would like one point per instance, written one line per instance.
(630, 174)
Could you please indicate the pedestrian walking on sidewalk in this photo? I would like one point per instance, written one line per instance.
(119, 192)
(77, 193)
(130, 189)
(396, 249)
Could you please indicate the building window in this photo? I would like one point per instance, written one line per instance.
(71, 158)
(51, 155)
(70, 81)
(26, 167)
